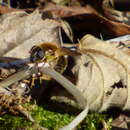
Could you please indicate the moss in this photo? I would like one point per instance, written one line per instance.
(50, 119)
(11, 122)
(53, 120)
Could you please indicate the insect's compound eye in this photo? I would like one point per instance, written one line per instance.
(37, 53)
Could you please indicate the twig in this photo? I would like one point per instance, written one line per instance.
(20, 109)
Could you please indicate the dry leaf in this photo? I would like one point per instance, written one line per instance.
(103, 77)
(4, 9)
(103, 74)
(20, 31)
(92, 19)
(121, 122)
(117, 16)
(9, 20)
(61, 2)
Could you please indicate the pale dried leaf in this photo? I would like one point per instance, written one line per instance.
(9, 20)
(103, 74)
(20, 31)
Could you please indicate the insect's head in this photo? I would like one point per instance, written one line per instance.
(43, 52)
(37, 54)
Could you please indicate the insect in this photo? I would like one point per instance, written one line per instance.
(51, 55)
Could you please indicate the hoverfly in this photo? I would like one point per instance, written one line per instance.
(51, 55)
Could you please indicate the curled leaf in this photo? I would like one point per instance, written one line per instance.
(103, 74)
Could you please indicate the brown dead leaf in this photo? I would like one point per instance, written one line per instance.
(64, 11)
(4, 9)
(117, 16)
(121, 122)
(92, 19)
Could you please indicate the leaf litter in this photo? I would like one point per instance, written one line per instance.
(100, 69)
